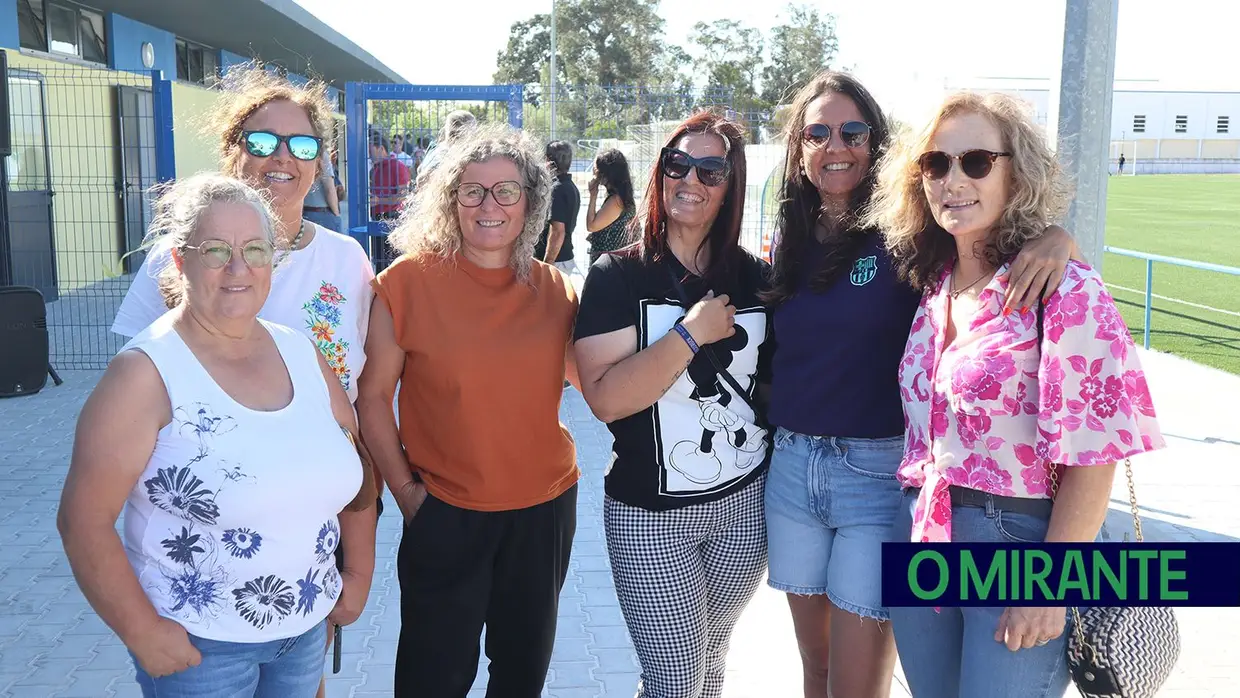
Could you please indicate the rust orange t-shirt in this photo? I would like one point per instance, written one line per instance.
(479, 397)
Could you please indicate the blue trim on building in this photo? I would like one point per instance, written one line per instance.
(165, 152)
(9, 36)
(125, 39)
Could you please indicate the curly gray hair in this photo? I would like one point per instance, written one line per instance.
(178, 211)
(430, 224)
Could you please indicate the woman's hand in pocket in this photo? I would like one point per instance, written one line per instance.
(409, 497)
(165, 649)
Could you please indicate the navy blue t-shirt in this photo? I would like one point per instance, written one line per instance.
(836, 366)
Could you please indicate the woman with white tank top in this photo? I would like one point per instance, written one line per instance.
(227, 440)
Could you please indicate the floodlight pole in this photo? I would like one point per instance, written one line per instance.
(1080, 123)
(553, 74)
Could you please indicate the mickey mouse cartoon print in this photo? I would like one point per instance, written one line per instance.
(708, 436)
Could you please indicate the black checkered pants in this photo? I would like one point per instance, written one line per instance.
(683, 577)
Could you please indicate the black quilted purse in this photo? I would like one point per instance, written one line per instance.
(1122, 652)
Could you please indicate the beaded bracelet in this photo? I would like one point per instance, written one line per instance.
(684, 333)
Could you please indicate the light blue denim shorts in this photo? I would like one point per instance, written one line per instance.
(830, 504)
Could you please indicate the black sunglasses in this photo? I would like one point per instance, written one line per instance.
(264, 144)
(711, 171)
(853, 134)
(974, 163)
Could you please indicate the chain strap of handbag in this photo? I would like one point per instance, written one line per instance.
(1136, 527)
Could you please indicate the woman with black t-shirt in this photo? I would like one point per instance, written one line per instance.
(672, 344)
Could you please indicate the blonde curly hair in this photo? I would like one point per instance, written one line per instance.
(430, 224)
(249, 86)
(1038, 192)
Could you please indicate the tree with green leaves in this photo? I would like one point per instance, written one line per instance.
(800, 47)
(732, 53)
(600, 42)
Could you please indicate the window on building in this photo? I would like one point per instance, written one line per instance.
(1138, 123)
(31, 25)
(340, 101)
(197, 64)
(1224, 124)
(1181, 124)
(92, 41)
(62, 28)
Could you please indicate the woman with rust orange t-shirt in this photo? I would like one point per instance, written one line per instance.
(476, 332)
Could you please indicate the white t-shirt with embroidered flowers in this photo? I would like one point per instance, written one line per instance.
(322, 290)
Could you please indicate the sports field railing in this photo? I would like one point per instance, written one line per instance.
(1150, 259)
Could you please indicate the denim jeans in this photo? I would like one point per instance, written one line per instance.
(953, 653)
(830, 503)
(289, 668)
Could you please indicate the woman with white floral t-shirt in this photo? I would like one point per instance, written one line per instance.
(272, 136)
(1015, 421)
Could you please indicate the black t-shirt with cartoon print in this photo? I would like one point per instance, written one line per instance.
(700, 442)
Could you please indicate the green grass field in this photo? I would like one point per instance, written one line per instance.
(1194, 217)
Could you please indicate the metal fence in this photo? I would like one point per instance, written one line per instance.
(1149, 260)
(636, 120)
(88, 144)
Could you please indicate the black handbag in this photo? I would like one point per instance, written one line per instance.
(1122, 651)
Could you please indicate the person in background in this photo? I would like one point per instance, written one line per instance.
(322, 203)
(476, 334)
(455, 125)
(842, 319)
(226, 441)
(1015, 420)
(609, 225)
(683, 506)
(399, 151)
(389, 181)
(556, 244)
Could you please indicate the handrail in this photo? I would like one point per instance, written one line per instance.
(1149, 275)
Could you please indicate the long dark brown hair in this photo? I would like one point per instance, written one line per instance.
(723, 240)
(800, 204)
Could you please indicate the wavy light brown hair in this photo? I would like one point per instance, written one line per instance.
(430, 224)
(723, 269)
(246, 88)
(1038, 192)
(800, 203)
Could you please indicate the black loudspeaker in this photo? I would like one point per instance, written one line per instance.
(24, 359)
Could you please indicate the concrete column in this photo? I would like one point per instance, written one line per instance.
(1080, 111)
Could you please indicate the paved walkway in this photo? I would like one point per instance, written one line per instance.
(52, 644)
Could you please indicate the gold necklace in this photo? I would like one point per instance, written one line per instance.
(956, 293)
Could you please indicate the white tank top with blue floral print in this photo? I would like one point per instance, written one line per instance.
(232, 528)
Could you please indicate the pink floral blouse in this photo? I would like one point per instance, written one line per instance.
(995, 410)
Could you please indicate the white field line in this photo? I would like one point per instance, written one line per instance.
(1176, 300)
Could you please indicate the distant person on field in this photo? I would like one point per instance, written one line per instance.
(556, 244)
(1121, 163)
(608, 226)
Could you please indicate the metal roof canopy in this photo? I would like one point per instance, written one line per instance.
(276, 31)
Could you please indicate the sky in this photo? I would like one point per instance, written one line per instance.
(905, 51)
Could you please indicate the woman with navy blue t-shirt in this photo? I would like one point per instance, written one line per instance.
(841, 320)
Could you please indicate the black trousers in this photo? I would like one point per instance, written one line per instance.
(460, 570)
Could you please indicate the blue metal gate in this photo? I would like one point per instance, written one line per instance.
(358, 99)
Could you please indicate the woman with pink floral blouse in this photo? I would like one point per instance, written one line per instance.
(998, 405)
